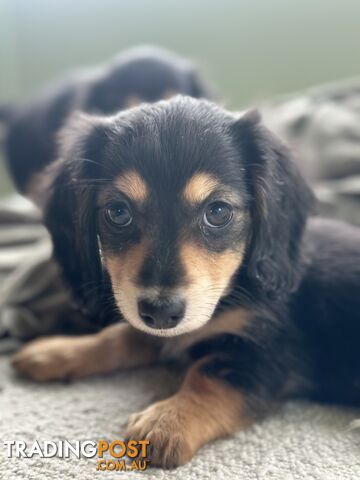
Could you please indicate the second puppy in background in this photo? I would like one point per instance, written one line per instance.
(143, 74)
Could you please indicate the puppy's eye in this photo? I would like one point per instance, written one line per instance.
(218, 214)
(119, 215)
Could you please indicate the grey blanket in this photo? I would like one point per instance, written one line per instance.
(322, 126)
(33, 298)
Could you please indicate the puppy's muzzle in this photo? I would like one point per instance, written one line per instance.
(161, 313)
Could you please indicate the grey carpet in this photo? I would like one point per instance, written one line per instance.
(301, 441)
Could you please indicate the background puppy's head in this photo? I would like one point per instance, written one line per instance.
(170, 202)
(144, 74)
(138, 75)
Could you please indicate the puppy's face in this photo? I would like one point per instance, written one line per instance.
(172, 218)
(178, 197)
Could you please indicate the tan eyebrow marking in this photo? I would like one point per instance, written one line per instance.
(131, 184)
(199, 187)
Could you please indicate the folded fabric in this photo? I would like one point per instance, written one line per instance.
(33, 298)
(323, 128)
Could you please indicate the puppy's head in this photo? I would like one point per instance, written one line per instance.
(169, 202)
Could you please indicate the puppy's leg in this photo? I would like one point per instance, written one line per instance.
(205, 408)
(119, 346)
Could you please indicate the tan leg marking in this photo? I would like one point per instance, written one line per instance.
(55, 358)
(232, 321)
(202, 410)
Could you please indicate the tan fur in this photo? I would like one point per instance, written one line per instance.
(55, 358)
(133, 186)
(169, 94)
(123, 269)
(219, 267)
(216, 268)
(133, 101)
(230, 321)
(35, 189)
(199, 187)
(208, 277)
(116, 347)
(202, 410)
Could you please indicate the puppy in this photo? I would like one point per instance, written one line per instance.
(144, 74)
(191, 227)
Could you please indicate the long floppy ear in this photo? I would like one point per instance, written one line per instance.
(70, 214)
(281, 202)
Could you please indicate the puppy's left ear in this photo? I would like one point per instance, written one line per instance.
(70, 210)
(280, 205)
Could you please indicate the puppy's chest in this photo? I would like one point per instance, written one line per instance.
(230, 322)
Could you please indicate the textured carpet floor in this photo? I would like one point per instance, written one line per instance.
(301, 441)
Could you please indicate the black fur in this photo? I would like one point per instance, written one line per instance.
(144, 73)
(279, 210)
(300, 276)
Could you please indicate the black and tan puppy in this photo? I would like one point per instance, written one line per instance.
(193, 226)
(143, 74)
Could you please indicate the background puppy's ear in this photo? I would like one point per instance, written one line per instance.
(70, 208)
(280, 204)
(198, 88)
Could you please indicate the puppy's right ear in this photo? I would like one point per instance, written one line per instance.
(280, 204)
(69, 212)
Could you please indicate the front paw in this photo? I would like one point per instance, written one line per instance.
(164, 424)
(56, 358)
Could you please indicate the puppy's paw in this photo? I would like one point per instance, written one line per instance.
(46, 359)
(164, 424)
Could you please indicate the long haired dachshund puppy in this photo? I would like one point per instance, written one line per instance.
(143, 74)
(193, 226)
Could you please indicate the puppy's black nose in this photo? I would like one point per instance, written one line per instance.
(161, 313)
